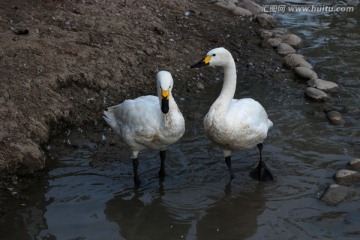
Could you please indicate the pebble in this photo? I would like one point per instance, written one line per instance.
(285, 49)
(305, 73)
(228, 5)
(351, 109)
(278, 32)
(251, 6)
(274, 42)
(335, 194)
(266, 21)
(345, 175)
(296, 60)
(323, 85)
(242, 12)
(355, 163)
(291, 39)
(200, 86)
(264, 33)
(315, 94)
(335, 118)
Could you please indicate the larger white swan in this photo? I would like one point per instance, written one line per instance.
(235, 124)
(148, 122)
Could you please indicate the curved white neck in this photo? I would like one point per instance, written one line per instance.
(229, 85)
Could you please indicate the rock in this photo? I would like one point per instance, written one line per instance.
(264, 33)
(227, 5)
(251, 6)
(291, 39)
(285, 49)
(274, 42)
(345, 175)
(323, 85)
(335, 194)
(355, 163)
(305, 73)
(335, 118)
(242, 12)
(200, 86)
(351, 110)
(296, 60)
(278, 32)
(315, 94)
(266, 21)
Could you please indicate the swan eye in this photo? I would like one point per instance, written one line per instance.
(214, 55)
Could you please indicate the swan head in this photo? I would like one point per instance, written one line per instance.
(217, 57)
(164, 84)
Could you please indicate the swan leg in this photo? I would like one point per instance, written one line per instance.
(136, 174)
(261, 172)
(228, 163)
(162, 164)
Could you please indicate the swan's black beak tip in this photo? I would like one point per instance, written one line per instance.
(199, 64)
(165, 105)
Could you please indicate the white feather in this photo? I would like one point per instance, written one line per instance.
(234, 124)
(141, 124)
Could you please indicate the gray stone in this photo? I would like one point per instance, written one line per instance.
(323, 85)
(278, 32)
(335, 118)
(242, 12)
(345, 175)
(285, 49)
(351, 110)
(225, 4)
(291, 39)
(296, 60)
(266, 21)
(305, 73)
(251, 6)
(274, 42)
(335, 194)
(264, 33)
(355, 163)
(200, 86)
(315, 94)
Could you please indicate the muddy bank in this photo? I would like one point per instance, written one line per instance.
(63, 63)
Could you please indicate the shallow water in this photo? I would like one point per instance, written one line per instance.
(88, 193)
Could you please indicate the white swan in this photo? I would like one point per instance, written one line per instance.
(148, 122)
(235, 124)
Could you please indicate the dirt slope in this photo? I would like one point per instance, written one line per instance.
(63, 62)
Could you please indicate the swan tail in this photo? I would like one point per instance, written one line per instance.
(110, 119)
(270, 123)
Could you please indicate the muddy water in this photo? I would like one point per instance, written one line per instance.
(88, 193)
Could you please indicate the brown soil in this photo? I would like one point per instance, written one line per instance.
(63, 62)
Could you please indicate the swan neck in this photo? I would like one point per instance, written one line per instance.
(229, 85)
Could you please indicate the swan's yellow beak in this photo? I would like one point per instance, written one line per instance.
(204, 62)
(165, 94)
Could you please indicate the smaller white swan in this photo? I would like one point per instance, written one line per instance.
(235, 124)
(148, 122)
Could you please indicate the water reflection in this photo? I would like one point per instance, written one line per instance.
(190, 212)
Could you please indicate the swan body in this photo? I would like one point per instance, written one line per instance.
(235, 124)
(148, 122)
(242, 126)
